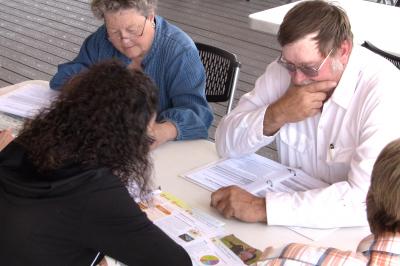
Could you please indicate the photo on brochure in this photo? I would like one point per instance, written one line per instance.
(245, 252)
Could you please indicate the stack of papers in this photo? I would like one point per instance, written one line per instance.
(254, 173)
(198, 233)
(258, 175)
(27, 101)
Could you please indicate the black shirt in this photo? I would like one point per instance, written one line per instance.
(67, 217)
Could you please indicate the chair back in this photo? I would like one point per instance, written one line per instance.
(222, 71)
(392, 58)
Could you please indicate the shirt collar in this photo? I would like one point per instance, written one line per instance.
(387, 242)
(348, 82)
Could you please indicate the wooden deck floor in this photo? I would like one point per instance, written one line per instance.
(37, 35)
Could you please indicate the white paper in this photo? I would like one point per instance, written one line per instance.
(198, 233)
(313, 233)
(258, 175)
(27, 100)
(254, 173)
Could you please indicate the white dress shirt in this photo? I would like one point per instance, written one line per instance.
(338, 146)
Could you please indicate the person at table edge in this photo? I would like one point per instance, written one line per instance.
(137, 37)
(330, 105)
(382, 247)
(63, 195)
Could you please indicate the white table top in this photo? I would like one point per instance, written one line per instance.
(376, 23)
(175, 158)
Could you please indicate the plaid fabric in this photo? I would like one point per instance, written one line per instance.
(385, 250)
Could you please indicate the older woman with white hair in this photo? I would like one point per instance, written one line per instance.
(135, 35)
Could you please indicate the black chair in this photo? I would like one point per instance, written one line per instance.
(222, 70)
(397, 3)
(392, 58)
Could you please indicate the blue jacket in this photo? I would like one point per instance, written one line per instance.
(174, 65)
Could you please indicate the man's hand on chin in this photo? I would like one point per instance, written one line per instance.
(235, 202)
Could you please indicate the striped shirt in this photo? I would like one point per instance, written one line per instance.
(383, 250)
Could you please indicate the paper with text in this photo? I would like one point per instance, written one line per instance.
(27, 100)
(258, 175)
(253, 173)
(198, 233)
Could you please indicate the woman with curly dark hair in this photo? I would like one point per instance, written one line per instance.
(62, 180)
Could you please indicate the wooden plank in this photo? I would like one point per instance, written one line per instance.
(29, 61)
(10, 76)
(49, 48)
(23, 50)
(35, 32)
(211, 25)
(83, 5)
(22, 18)
(205, 10)
(234, 9)
(25, 68)
(69, 7)
(4, 83)
(50, 20)
(78, 21)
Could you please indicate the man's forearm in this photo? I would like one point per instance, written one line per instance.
(273, 120)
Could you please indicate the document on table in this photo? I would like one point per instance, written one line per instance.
(258, 175)
(253, 173)
(27, 100)
(198, 233)
(312, 233)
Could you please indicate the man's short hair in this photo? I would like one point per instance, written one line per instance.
(327, 20)
(383, 199)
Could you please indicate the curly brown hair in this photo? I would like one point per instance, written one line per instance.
(100, 119)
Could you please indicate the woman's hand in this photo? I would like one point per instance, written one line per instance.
(162, 132)
(5, 138)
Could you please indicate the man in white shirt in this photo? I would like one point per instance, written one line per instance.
(331, 108)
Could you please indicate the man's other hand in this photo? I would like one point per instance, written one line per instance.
(235, 202)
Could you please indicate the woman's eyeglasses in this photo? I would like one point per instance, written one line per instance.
(131, 33)
(308, 71)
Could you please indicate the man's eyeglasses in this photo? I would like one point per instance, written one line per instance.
(131, 32)
(308, 71)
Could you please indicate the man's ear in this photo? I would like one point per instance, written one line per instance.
(344, 51)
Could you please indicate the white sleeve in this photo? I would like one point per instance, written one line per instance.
(342, 204)
(241, 132)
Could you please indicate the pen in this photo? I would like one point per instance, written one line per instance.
(292, 171)
(331, 150)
